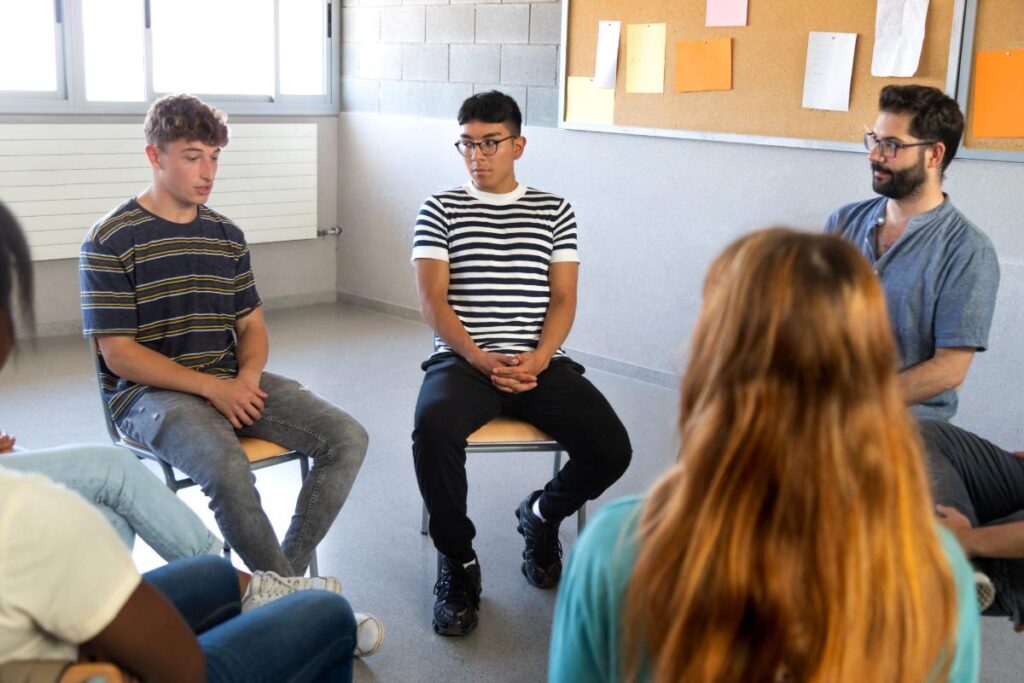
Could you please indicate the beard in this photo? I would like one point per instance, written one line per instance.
(900, 184)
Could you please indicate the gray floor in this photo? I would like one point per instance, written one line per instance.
(368, 363)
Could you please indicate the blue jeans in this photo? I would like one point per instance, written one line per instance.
(190, 434)
(306, 636)
(128, 495)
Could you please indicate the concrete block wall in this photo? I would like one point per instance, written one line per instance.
(423, 57)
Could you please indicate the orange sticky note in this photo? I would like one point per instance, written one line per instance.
(704, 65)
(999, 94)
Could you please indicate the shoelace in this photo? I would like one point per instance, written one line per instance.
(272, 585)
(546, 546)
(456, 583)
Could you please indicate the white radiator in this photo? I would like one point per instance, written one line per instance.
(58, 179)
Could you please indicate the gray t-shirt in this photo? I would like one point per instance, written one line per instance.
(940, 280)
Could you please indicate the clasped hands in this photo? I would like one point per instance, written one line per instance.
(240, 399)
(511, 373)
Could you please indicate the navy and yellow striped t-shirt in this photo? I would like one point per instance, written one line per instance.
(177, 288)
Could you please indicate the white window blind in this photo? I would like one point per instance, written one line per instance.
(59, 179)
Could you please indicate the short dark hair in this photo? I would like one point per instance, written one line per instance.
(934, 115)
(492, 107)
(15, 272)
(177, 117)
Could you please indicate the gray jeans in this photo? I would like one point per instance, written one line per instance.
(986, 484)
(190, 434)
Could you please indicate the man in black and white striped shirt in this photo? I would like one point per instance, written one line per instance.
(496, 267)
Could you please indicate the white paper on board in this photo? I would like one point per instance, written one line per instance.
(899, 35)
(607, 53)
(829, 70)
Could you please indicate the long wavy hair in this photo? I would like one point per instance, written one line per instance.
(794, 539)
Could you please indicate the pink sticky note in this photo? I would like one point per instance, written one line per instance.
(726, 13)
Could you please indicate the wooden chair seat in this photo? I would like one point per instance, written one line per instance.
(48, 671)
(257, 450)
(505, 434)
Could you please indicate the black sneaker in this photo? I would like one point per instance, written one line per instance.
(458, 597)
(542, 557)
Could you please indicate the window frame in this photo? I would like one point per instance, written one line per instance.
(70, 95)
(42, 98)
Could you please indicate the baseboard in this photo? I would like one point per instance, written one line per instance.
(300, 300)
(624, 369)
(590, 360)
(380, 306)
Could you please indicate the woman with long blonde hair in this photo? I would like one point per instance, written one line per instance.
(794, 539)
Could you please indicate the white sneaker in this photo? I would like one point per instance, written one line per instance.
(265, 587)
(986, 591)
(369, 635)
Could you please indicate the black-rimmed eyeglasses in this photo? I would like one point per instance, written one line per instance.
(890, 148)
(487, 147)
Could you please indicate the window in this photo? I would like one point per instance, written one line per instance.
(116, 56)
(302, 58)
(236, 58)
(29, 47)
(114, 38)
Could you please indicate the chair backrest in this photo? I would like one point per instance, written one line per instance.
(119, 439)
(108, 418)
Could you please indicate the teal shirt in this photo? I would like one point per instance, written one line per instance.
(586, 635)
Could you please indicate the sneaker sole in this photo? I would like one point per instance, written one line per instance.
(373, 649)
(542, 586)
(454, 631)
(986, 591)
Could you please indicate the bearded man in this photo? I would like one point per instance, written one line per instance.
(938, 270)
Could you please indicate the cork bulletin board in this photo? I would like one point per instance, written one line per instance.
(764, 105)
(989, 25)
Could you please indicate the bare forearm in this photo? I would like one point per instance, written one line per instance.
(946, 370)
(557, 323)
(442, 318)
(253, 349)
(150, 638)
(999, 540)
(136, 363)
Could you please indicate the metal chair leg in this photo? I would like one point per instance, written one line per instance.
(425, 523)
(314, 570)
(169, 479)
(581, 514)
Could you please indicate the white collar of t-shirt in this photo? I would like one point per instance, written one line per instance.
(505, 198)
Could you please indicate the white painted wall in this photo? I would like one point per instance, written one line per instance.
(653, 212)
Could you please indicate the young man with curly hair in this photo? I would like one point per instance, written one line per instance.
(169, 295)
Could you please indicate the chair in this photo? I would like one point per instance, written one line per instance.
(46, 671)
(260, 453)
(507, 435)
